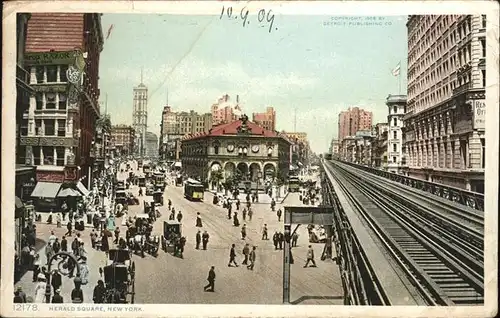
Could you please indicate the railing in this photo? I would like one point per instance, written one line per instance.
(474, 200)
(23, 77)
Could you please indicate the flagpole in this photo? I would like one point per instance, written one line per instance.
(399, 76)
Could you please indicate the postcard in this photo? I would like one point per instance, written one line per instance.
(230, 158)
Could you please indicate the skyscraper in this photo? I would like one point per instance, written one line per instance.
(353, 120)
(140, 117)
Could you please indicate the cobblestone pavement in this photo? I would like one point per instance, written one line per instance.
(167, 279)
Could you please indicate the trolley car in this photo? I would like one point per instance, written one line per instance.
(193, 190)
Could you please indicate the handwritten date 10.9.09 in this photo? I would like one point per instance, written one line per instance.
(262, 16)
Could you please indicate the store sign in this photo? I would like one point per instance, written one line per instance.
(70, 173)
(49, 176)
(479, 109)
(49, 58)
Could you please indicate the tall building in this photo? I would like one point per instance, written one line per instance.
(445, 120)
(123, 138)
(175, 125)
(334, 148)
(140, 117)
(379, 146)
(267, 120)
(225, 111)
(396, 158)
(151, 145)
(58, 126)
(353, 120)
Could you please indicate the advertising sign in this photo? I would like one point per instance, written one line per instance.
(49, 176)
(50, 58)
(479, 109)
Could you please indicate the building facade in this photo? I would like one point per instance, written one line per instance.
(396, 160)
(445, 120)
(334, 148)
(267, 119)
(353, 120)
(379, 146)
(123, 139)
(58, 127)
(300, 149)
(175, 125)
(224, 110)
(241, 148)
(151, 145)
(140, 117)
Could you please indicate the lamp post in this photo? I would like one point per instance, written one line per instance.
(259, 175)
(70, 258)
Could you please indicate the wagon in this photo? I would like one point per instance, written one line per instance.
(170, 228)
(119, 277)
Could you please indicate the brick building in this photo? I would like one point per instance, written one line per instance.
(57, 127)
(353, 120)
(267, 119)
(225, 110)
(123, 139)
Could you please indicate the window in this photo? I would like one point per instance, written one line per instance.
(38, 127)
(62, 73)
(51, 73)
(62, 101)
(23, 129)
(483, 20)
(60, 156)
(39, 101)
(395, 121)
(49, 127)
(395, 109)
(395, 135)
(61, 127)
(483, 153)
(483, 73)
(394, 159)
(394, 147)
(48, 155)
(216, 149)
(36, 155)
(50, 102)
(39, 74)
(483, 46)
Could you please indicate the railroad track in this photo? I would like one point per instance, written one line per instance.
(444, 270)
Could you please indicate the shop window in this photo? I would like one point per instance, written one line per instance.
(62, 73)
(60, 156)
(51, 73)
(50, 102)
(49, 127)
(36, 155)
(39, 101)
(61, 127)
(48, 155)
(62, 101)
(40, 71)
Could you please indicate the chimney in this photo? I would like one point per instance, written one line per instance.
(237, 99)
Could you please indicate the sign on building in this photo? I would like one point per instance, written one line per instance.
(49, 58)
(479, 109)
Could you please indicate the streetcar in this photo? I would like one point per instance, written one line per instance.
(159, 181)
(193, 190)
(293, 184)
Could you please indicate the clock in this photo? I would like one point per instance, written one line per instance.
(230, 148)
(255, 148)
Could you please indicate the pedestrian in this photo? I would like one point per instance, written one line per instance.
(246, 253)
(204, 239)
(295, 237)
(236, 222)
(63, 212)
(99, 292)
(244, 212)
(211, 280)
(49, 252)
(238, 203)
(252, 258)
(278, 213)
(64, 244)
(310, 257)
(69, 226)
(93, 238)
(182, 243)
(52, 237)
(198, 239)
(58, 219)
(171, 217)
(82, 253)
(243, 231)
(57, 298)
(275, 239)
(75, 246)
(198, 220)
(117, 234)
(20, 294)
(40, 289)
(56, 279)
(264, 232)
(232, 257)
(281, 239)
(250, 213)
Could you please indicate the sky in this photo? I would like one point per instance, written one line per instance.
(303, 65)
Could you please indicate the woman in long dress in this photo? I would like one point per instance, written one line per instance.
(198, 220)
(40, 289)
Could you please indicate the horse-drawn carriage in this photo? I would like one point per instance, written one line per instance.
(171, 230)
(158, 197)
(119, 277)
(140, 240)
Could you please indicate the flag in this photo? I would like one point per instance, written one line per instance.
(395, 71)
(109, 31)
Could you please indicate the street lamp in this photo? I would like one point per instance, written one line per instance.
(70, 258)
(259, 175)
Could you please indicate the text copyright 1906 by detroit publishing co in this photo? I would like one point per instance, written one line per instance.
(356, 21)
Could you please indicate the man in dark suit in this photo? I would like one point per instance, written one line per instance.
(56, 280)
(57, 298)
(232, 257)
(211, 280)
(198, 239)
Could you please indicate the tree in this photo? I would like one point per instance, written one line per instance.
(104, 122)
(216, 176)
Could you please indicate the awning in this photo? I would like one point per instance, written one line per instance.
(46, 190)
(19, 203)
(82, 189)
(68, 192)
(178, 164)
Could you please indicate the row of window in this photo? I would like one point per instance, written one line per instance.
(51, 101)
(51, 74)
(48, 155)
(47, 127)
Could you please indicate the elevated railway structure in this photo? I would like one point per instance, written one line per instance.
(453, 196)
(398, 247)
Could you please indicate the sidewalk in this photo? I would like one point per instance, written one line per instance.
(45, 216)
(263, 197)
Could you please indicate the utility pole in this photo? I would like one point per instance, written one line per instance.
(295, 120)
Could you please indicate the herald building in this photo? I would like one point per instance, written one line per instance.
(57, 126)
